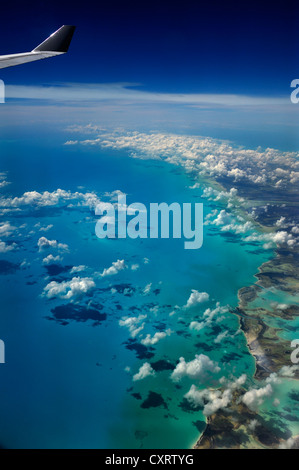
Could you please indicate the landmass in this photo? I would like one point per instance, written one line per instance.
(238, 426)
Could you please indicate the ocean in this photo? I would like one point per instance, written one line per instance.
(69, 383)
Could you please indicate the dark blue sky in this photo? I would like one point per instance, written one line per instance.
(186, 46)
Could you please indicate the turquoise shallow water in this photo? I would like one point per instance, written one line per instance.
(70, 385)
(271, 299)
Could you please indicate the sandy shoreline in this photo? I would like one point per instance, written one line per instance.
(270, 351)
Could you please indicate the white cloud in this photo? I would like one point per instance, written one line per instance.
(278, 238)
(223, 218)
(211, 400)
(288, 371)
(214, 400)
(6, 229)
(50, 259)
(209, 316)
(134, 324)
(3, 181)
(255, 397)
(230, 197)
(253, 424)
(59, 197)
(226, 334)
(221, 336)
(238, 228)
(288, 444)
(147, 289)
(116, 266)
(25, 264)
(196, 298)
(145, 370)
(122, 92)
(234, 383)
(5, 248)
(281, 222)
(151, 340)
(42, 228)
(197, 326)
(207, 156)
(273, 379)
(74, 288)
(134, 267)
(197, 369)
(78, 269)
(43, 243)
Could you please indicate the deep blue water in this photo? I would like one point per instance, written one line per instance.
(66, 385)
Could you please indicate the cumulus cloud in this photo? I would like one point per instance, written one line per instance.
(5, 247)
(59, 198)
(225, 334)
(3, 181)
(43, 244)
(288, 444)
(288, 371)
(281, 222)
(147, 289)
(151, 340)
(227, 223)
(134, 267)
(255, 397)
(231, 197)
(50, 259)
(134, 324)
(74, 288)
(78, 269)
(116, 266)
(273, 379)
(235, 383)
(238, 228)
(275, 238)
(145, 370)
(213, 400)
(223, 218)
(253, 424)
(6, 229)
(198, 368)
(206, 156)
(221, 336)
(196, 298)
(43, 228)
(197, 326)
(209, 316)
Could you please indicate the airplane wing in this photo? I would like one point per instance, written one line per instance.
(56, 44)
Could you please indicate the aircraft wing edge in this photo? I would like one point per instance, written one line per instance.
(18, 59)
(56, 44)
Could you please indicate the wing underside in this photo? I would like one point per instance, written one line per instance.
(56, 44)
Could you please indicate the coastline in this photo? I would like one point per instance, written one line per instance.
(269, 350)
(270, 353)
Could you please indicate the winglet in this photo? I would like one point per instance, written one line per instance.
(58, 41)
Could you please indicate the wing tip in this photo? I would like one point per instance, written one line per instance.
(59, 41)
